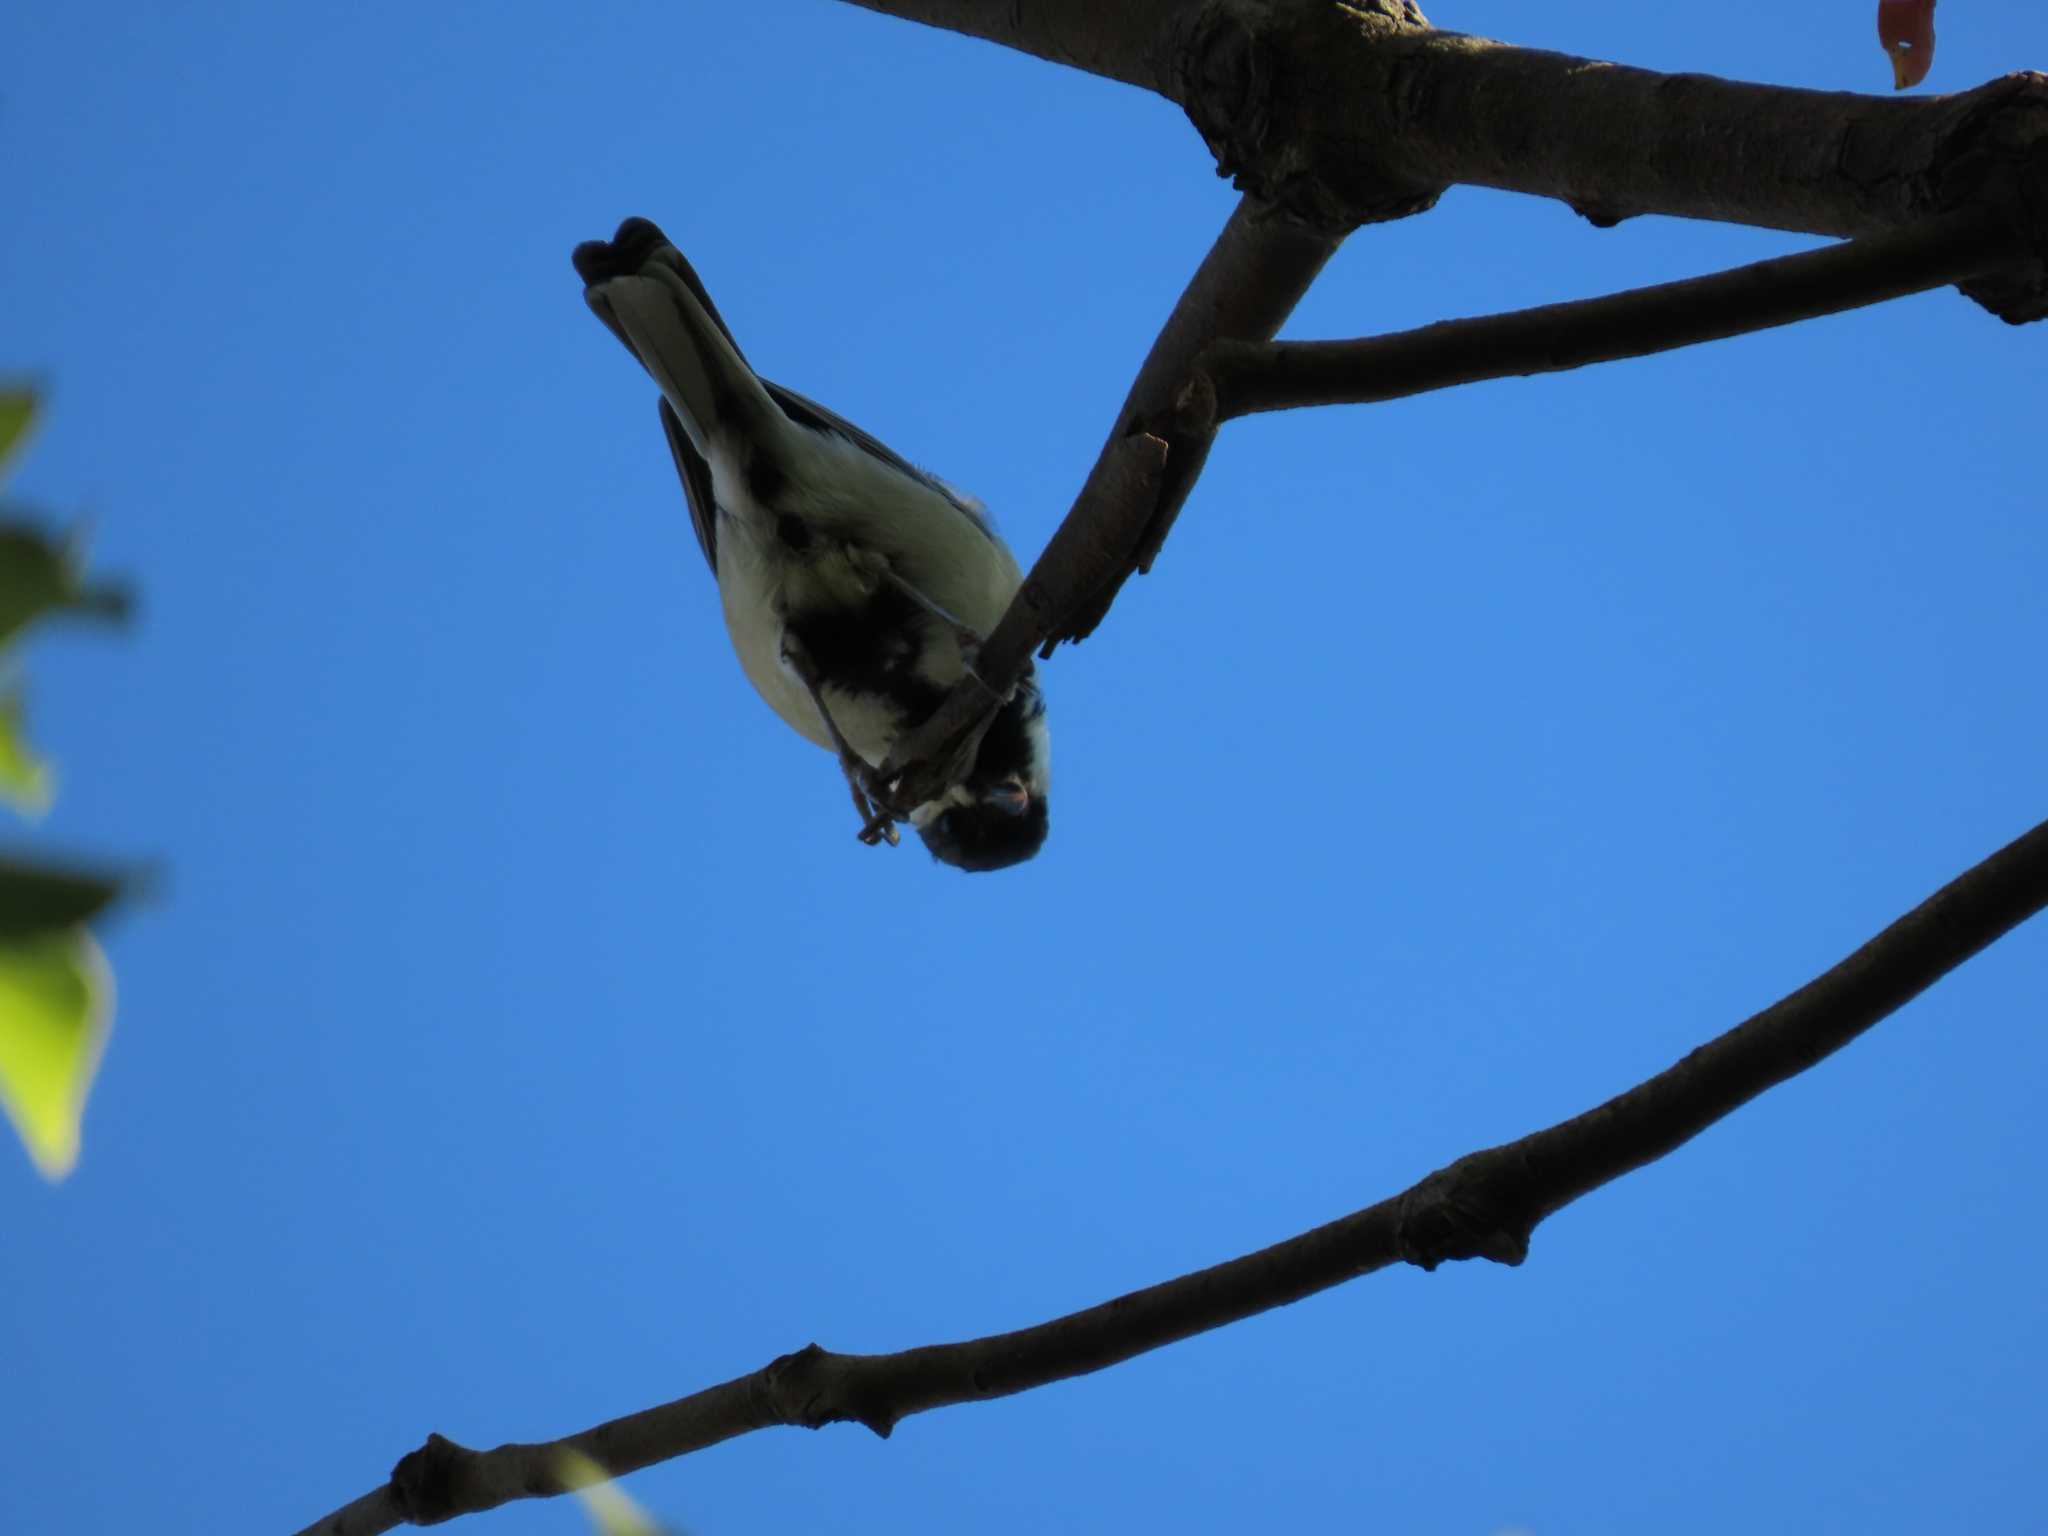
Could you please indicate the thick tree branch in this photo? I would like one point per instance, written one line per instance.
(1332, 113)
(1347, 102)
(1483, 1206)
(1244, 290)
(1349, 111)
(1235, 378)
(1123, 41)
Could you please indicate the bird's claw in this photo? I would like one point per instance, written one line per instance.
(878, 817)
(881, 830)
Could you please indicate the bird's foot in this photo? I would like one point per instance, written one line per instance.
(878, 814)
(877, 817)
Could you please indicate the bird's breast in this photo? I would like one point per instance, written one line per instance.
(883, 661)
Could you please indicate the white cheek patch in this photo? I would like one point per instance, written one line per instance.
(1039, 776)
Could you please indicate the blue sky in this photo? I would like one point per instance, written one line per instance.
(519, 1036)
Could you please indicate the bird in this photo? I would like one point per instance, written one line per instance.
(856, 587)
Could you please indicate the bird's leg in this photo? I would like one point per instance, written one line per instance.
(967, 639)
(877, 822)
(877, 817)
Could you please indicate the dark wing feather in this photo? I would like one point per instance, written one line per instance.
(691, 467)
(695, 474)
(808, 413)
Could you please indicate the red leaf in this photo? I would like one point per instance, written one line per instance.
(1906, 28)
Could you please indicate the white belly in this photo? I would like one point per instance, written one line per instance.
(855, 500)
(755, 582)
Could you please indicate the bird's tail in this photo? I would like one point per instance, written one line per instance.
(640, 286)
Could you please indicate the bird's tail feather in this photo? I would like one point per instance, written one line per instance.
(640, 286)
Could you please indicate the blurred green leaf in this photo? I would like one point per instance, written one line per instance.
(56, 1001)
(42, 574)
(35, 898)
(17, 415)
(26, 781)
(56, 993)
(612, 1512)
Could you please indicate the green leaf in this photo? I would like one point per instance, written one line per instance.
(17, 415)
(26, 781)
(42, 574)
(56, 1001)
(610, 1511)
(35, 898)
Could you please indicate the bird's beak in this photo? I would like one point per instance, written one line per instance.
(1010, 796)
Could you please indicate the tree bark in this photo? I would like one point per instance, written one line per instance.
(1238, 378)
(1344, 112)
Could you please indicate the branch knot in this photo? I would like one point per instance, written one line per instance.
(1474, 1209)
(2000, 159)
(428, 1483)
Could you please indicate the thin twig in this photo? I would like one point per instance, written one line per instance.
(1236, 378)
(1483, 1206)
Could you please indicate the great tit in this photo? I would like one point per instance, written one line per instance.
(856, 586)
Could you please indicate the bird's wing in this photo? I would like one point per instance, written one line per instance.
(808, 413)
(695, 473)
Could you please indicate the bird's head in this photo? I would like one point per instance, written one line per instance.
(998, 815)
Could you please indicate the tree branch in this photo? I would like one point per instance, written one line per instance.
(1351, 111)
(1122, 41)
(1338, 102)
(1235, 378)
(1248, 284)
(1485, 1205)
(1332, 113)
(1090, 546)
(1244, 290)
